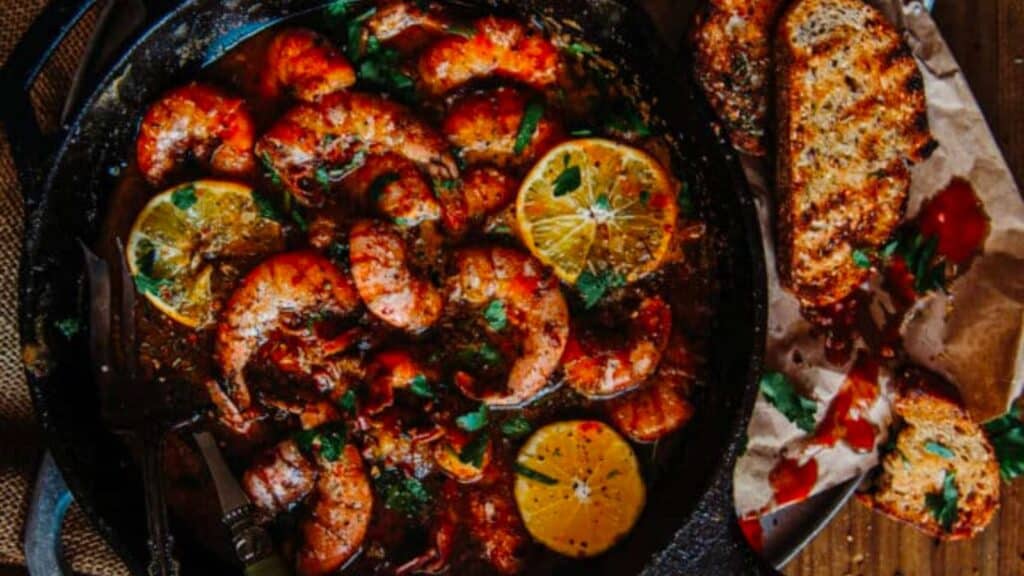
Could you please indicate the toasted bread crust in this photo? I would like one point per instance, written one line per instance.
(732, 52)
(851, 118)
(916, 468)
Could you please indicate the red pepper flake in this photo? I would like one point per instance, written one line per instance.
(957, 217)
(900, 281)
(792, 482)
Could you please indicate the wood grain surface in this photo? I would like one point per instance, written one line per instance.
(987, 37)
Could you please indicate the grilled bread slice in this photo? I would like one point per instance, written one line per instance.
(941, 474)
(732, 42)
(851, 117)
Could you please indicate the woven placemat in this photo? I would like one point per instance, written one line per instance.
(85, 550)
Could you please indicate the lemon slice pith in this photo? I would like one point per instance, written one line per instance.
(181, 231)
(578, 487)
(598, 206)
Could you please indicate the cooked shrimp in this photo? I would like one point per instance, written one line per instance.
(397, 188)
(279, 478)
(494, 523)
(303, 64)
(498, 47)
(380, 268)
(406, 24)
(195, 121)
(486, 125)
(312, 142)
(599, 369)
(535, 308)
(447, 455)
(335, 525)
(484, 190)
(662, 406)
(277, 292)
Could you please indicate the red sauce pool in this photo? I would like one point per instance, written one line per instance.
(844, 419)
(751, 527)
(956, 216)
(792, 482)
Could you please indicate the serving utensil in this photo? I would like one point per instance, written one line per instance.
(251, 542)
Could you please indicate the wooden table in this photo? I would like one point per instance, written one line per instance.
(987, 37)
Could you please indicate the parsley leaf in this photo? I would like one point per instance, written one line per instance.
(528, 125)
(579, 49)
(329, 440)
(145, 258)
(602, 202)
(495, 315)
(568, 181)
(402, 493)
(582, 132)
(1007, 436)
(337, 8)
(347, 402)
(473, 421)
(628, 121)
(184, 197)
(943, 504)
(780, 393)
(69, 327)
(266, 207)
(421, 387)
(861, 258)
(593, 287)
(473, 452)
(527, 472)
(938, 449)
(146, 283)
(299, 219)
(484, 354)
(516, 427)
(270, 170)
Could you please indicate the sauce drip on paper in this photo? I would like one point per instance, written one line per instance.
(846, 417)
(956, 216)
(791, 481)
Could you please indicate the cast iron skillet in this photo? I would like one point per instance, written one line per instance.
(689, 525)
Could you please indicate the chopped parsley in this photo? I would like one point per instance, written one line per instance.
(495, 315)
(357, 160)
(628, 121)
(347, 402)
(1007, 436)
(337, 8)
(780, 393)
(328, 440)
(376, 64)
(484, 354)
(299, 219)
(516, 427)
(593, 287)
(568, 181)
(918, 252)
(323, 177)
(338, 251)
(68, 327)
(266, 207)
(146, 283)
(473, 452)
(145, 258)
(473, 421)
(861, 258)
(645, 197)
(401, 493)
(269, 170)
(528, 125)
(184, 197)
(943, 504)
(602, 202)
(582, 132)
(421, 387)
(938, 449)
(579, 49)
(527, 472)
(684, 199)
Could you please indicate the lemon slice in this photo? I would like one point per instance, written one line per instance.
(182, 231)
(578, 487)
(598, 207)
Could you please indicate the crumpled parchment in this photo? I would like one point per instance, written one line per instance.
(973, 334)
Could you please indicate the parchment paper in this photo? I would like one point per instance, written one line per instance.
(973, 335)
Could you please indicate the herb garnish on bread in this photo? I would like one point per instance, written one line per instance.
(939, 473)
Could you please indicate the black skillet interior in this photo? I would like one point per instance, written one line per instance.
(688, 524)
